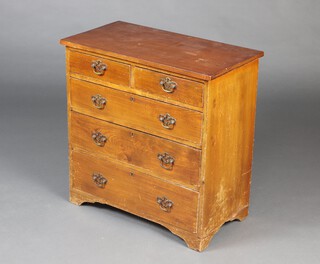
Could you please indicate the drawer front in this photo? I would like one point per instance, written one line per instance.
(159, 157)
(100, 68)
(135, 192)
(135, 111)
(168, 88)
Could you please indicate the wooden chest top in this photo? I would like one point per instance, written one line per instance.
(181, 54)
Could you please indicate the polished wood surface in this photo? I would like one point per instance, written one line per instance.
(199, 58)
(211, 142)
(136, 111)
(136, 148)
(134, 191)
(118, 73)
(187, 91)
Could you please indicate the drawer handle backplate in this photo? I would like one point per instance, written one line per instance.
(99, 180)
(166, 161)
(98, 101)
(168, 85)
(165, 204)
(167, 121)
(98, 138)
(98, 67)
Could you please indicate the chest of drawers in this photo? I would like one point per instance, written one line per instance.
(161, 125)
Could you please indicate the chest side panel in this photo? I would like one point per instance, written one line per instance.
(229, 140)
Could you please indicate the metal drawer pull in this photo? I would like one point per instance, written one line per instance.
(98, 101)
(98, 67)
(166, 161)
(168, 85)
(165, 204)
(99, 139)
(99, 180)
(167, 121)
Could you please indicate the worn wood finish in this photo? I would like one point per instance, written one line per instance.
(211, 143)
(118, 73)
(230, 112)
(134, 191)
(135, 111)
(135, 91)
(165, 50)
(187, 91)
(137, 148)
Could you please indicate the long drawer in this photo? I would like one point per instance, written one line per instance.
(173, 122)
(162, 158)
(135, 192)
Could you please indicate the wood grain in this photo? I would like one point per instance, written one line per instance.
(135, 111)
(117, 73)
(190, 56)
(187, 91)
(137, 148)
(136, 194)
(230, 113)
(212, 142)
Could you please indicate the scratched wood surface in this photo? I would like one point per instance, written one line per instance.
(212, 141)
(190, 56)
(230, 113)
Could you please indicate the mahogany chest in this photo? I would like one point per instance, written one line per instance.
(161, 125)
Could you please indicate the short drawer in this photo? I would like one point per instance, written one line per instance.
(100, 68)
(154, 117)
(134, 192)
(168, 88)
(162, 158)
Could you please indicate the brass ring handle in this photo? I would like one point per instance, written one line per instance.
(166, 161)
(98, 138)
(165, 204)
(167, 121)
(99, 180)
(98, 101)
(98, 67)
(168, 85)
